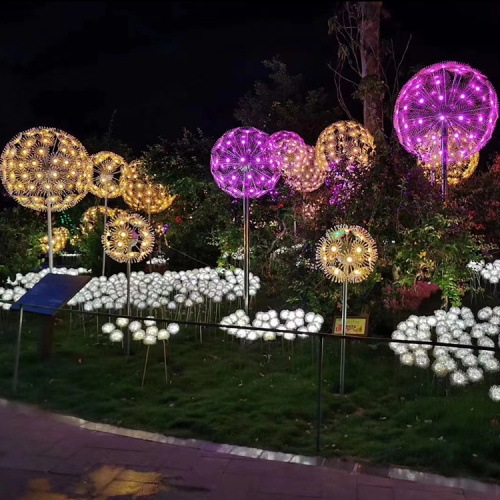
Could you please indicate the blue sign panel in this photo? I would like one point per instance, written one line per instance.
(53, 290)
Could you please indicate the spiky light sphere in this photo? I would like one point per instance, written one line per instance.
(107, 169)
(458, 170)
(347, 253)
(345, 149)
(60, 236)
(446, 96)
(92, 214)
(142, 194)
(242, 165)
(43, 166)
(307, 175)
(128, 238)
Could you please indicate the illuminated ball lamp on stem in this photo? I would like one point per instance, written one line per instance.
(447, 110)
(107, 170)
(243, 167)
(128, 238)
(345, 150)
(60, 236)
(46, 169)
(347, 254)
(458, 170)
(91, 215)
(140, 193)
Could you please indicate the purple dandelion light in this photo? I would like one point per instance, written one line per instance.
(447, 110)
(241, 164)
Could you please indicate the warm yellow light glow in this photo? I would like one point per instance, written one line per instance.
(458, 170)
(140, 193)
(349, 263)
(60, 236)
(92, 214)
(33, 177)
(128, 237)
(107, 170)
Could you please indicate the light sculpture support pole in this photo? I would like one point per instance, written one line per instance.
(128, 307)
(320, 385)
(246, 244)
(342, 341)
(18, 350)
(105, 221)
(49, 224)
(444, 160)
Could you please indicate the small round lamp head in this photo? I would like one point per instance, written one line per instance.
(347, 254)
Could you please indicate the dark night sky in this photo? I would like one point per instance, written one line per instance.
(168, 65)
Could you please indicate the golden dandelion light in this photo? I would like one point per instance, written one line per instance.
(347, 254)
(307, 175)
(345, 149)
(46, 169)
(91, 216)
(107, 169)
(140, 193)
(128, 238)
(60, 236)
(458, 169)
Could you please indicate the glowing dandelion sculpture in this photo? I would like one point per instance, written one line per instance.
(347, 254)
(447, 110)
(458, 170)
(128, 238)
(46, 169)
(106, 182)
(60, 236)
(140, 193)
(345, 150)
(91, 215)
(243, 167)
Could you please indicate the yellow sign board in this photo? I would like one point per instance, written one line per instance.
(355, 326)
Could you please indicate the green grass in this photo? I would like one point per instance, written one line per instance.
(263, 396)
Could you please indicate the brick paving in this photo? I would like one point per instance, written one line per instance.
(49, 457)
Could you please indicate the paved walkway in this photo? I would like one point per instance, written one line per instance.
(49, 457)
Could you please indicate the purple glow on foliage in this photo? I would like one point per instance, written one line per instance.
(242, 165)
(465, 104)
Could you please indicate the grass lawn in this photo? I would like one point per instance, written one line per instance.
(263, 396)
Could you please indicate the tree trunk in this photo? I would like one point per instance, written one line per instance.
(370, 64)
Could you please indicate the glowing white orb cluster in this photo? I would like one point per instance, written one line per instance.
(46, 166)
(296, 320)
(490, 272)
(458, 326)
(145, 331)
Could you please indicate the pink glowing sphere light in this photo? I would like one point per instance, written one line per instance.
(446, 99)
(242, 165)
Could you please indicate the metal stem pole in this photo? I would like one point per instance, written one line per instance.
(49, 224)
(318, 398)
(128, 307)
(105, 221)
(295, 227)
(18, 350)
(342, 342)
(444, 160)
(246, 243)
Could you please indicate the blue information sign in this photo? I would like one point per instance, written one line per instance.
(53, 290)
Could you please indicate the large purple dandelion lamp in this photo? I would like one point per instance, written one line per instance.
(241, 164)
(243, 167)
(447, 110)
